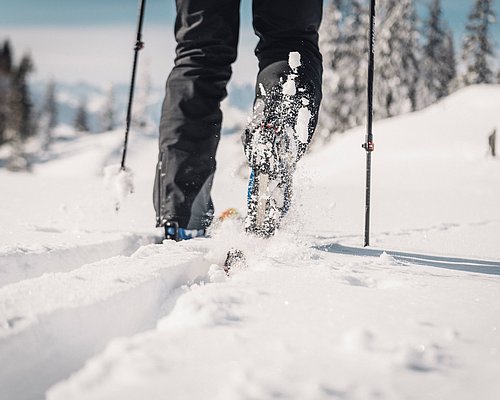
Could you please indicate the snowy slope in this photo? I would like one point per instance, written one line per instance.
(91, 309)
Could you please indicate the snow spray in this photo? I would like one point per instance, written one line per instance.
(290, 89)
(120, 181)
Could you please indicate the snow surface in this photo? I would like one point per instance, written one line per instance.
(91, 308)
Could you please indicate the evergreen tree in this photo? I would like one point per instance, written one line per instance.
(450, 73)
(413, 56)
(48, 115)
(141, 113)
(330, 43)
(81, 117)
(50, 104)
(20, 120)
(352, 67)
(477, 48)
(438, 55)
(107, 117)
(343, 42)
(6, 58)
(397, 67)
(5, 87)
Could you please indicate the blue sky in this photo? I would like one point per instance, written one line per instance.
(81, 12)
(108, 12)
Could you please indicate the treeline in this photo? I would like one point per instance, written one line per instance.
(416, 62)
(20, 120)
(16, 121)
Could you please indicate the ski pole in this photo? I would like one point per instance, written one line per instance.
(368, 145)
(139, 45)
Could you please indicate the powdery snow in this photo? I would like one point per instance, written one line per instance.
(302, 127)
(75, 314)
(319, 326)
(290, 87)
(90, 309)
(294, 60)
(120, 180)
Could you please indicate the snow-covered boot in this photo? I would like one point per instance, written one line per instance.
(173, 232)
(272, 153)
(281, 127)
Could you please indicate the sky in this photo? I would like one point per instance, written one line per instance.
(63, 35)
(113, 12)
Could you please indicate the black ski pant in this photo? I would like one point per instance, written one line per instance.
(207, 35)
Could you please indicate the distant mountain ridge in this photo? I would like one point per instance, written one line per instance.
(69, 96)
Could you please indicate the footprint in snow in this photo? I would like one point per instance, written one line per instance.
(422, 357)
(14, 321)
(354, 281)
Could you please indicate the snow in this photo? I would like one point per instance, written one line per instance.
(302, 126)
(294, 60)
(114, 297)
(290, 86)
(91, 308)
(120, 180)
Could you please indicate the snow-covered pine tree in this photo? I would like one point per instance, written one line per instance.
(353, 65)
(107, 117)
(438, 63)
(330, 38)
(397, 59)
(413, 56)
(48, 116)
(20, 124)
(141, 105)
(450, 54)
(477, 47)
(81, 117)
(343, 41)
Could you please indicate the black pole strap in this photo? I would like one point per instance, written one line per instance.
(369, 145)
(139, 45)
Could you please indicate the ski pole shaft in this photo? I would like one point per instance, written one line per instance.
(368, 145)
(139, 44)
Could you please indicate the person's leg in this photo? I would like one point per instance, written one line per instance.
(285, 26)
(288, 95)
(207, 34)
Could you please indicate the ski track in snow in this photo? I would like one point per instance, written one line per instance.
(19, 263)
(119, 296)
(266, 349)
